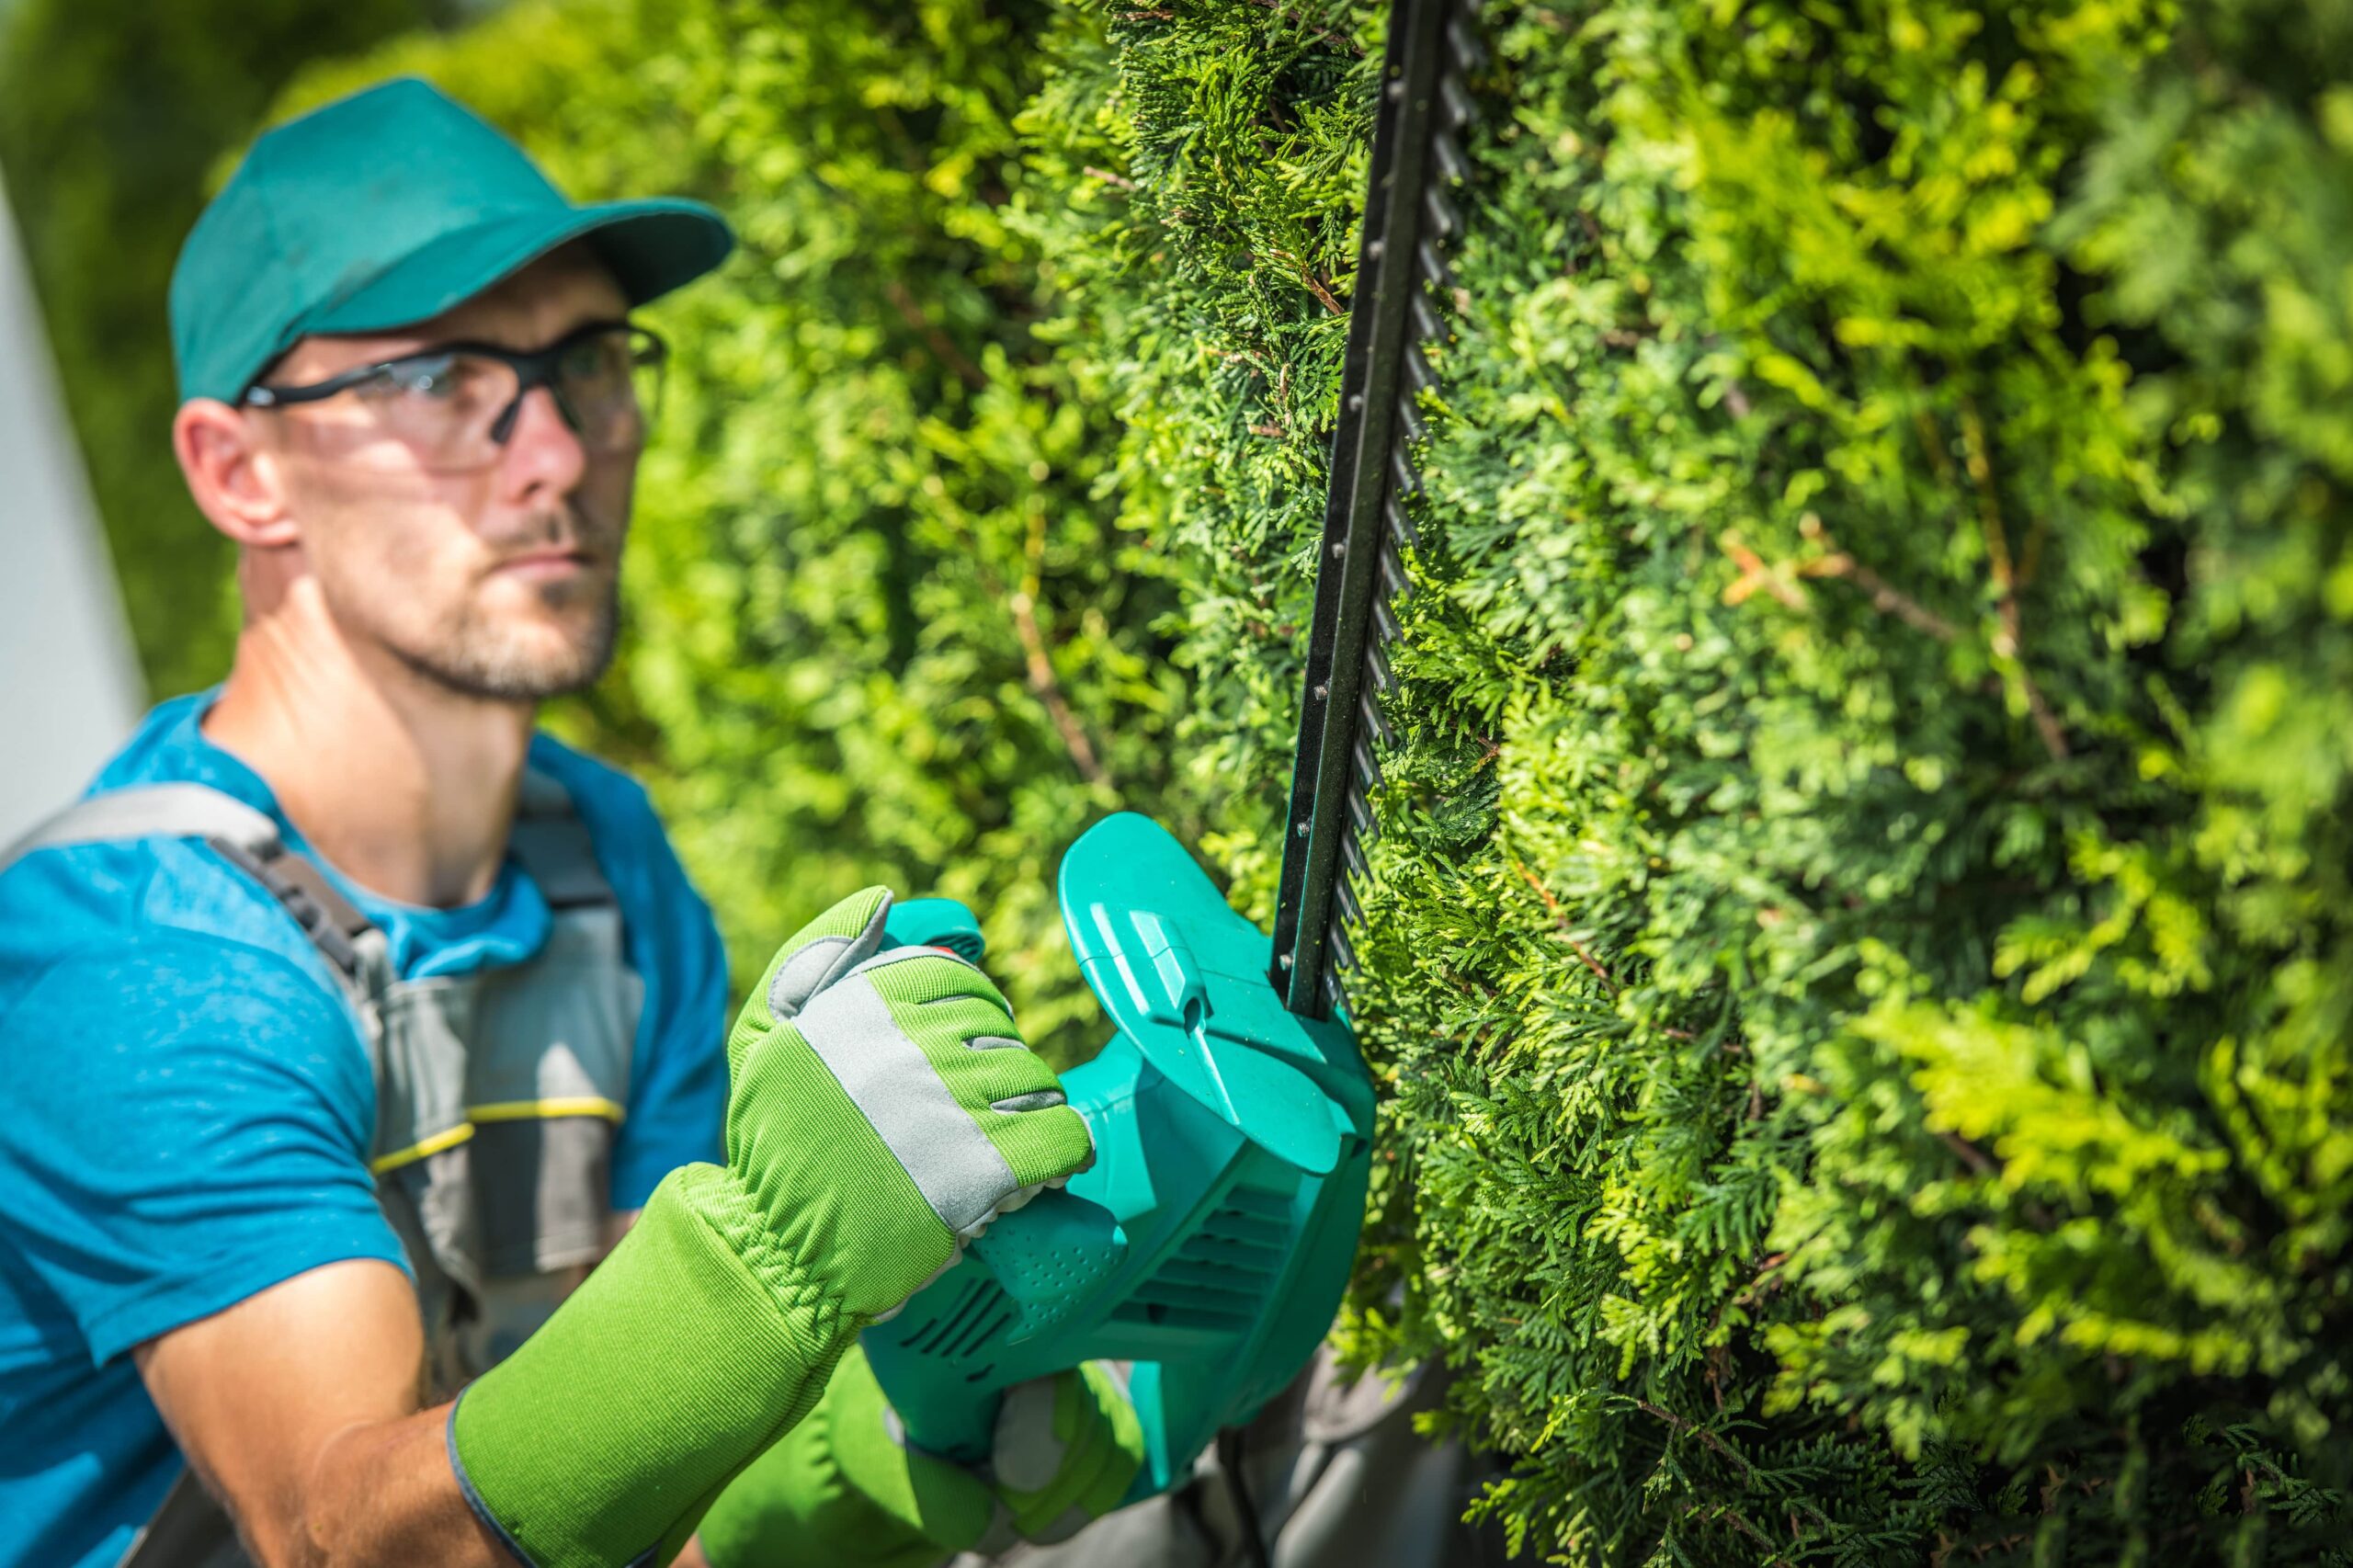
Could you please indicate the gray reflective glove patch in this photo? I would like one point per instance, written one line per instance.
(892, 1081)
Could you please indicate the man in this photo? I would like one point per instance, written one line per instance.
(350, 1021)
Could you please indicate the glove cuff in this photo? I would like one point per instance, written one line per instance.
(606, 1434)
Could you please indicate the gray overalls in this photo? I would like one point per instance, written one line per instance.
(497, 1093)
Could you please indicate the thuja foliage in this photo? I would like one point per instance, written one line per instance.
(1860, 964)
(879, 628)
(1860, 968)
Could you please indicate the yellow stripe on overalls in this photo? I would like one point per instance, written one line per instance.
(448, 1139)
(534, 1111)
(506, 1111)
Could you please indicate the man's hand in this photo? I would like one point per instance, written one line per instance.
(1067, 1448)
(300, 1406)
(885, 1108)
(882, 1111)
(844, 1489)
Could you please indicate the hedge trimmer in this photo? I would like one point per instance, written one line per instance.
(1232, 1116)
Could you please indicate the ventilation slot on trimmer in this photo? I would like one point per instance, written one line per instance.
(977, 1314)
(1222, 1275)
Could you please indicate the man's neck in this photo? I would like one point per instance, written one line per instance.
(405, 786)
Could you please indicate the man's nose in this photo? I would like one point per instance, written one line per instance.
(543, 453)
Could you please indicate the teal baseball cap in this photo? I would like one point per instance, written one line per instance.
(384, 210)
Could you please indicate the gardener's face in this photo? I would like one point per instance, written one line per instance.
(494, 573)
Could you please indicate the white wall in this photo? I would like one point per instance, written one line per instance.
(69, 686)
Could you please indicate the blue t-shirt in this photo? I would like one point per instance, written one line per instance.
(186, 1105)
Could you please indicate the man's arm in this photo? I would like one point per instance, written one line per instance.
(301, 1408)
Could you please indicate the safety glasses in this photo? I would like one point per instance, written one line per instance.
(454, 405)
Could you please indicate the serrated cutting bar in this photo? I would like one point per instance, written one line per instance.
(1409, 218)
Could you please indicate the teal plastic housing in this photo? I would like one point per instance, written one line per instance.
(1209, 1244)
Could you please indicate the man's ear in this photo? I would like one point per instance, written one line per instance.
(233, 478)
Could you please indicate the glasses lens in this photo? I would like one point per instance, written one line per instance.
(441, 406)
(611, 382)
(451, 409)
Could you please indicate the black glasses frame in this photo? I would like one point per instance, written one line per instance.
(532, 368)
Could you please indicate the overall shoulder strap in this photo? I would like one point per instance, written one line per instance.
(554, 847)
(151, 811)
(245, 836)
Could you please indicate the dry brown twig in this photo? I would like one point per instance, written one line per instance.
(1755, 573)
(1044, 681)
(1560, 925)
(1315, 287)
(1038, 665)
(2006, 587)
(942, 345)
(1314, 284)
(1975, 1158)
(1885, 596)
(1714, 1443)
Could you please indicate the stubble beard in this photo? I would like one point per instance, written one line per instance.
(473, 656)
(470, 652)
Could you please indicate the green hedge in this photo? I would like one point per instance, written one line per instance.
(1860, 965)
(1897, 561)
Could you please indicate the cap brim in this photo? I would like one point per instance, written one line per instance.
(652, 246)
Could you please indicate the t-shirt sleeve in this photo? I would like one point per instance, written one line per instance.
(182, 1125)
(678, 1098)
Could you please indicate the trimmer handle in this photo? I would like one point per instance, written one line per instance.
(1023, 1277)
(935, 922)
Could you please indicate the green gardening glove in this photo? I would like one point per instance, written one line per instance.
(843, 1489)
(882, 1111)
(1067, 1448)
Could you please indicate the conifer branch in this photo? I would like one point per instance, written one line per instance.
(1560, 925)
(1714, 1443)
(1283, 13)
(1727, 1512)
(1314, 284)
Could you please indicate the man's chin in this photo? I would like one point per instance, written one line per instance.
(519, 663)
